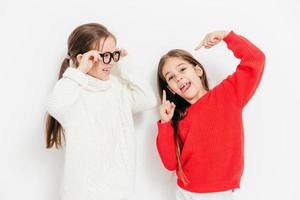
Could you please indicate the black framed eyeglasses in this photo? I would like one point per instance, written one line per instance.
(108, 56)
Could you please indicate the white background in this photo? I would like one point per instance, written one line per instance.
(33, 39)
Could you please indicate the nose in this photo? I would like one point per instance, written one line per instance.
(178, 77)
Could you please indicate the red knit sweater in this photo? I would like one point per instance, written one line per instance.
(212, 156)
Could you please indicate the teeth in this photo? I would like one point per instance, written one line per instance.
(183, 85)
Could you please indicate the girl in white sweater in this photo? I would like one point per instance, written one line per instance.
(92, 110)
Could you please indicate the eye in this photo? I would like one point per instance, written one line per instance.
(170, 78)
(182, 69)
(116, 55)
(107, 55)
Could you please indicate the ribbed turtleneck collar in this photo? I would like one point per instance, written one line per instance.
(95, 84)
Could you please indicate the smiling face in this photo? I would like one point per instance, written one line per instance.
(183, 78)
(101, 70)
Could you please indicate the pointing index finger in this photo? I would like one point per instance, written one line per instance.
(199, 46)
(164, 98)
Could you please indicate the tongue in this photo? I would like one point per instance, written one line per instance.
(185, 87)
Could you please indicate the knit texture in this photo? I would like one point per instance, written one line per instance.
(100, 144)
(212, 157)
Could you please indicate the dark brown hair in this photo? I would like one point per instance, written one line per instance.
(83, 39)
(181, 104)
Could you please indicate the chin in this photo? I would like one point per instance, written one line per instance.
(105, 78)
(189, 98)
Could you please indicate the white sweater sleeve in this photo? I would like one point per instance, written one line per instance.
(141, 95)
(65, 94)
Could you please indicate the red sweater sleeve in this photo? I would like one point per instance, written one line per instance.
(166, 145)
(244, 81)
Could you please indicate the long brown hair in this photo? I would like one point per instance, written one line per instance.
(181, 104)
(83, 39)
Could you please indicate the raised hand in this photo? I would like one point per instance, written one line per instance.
(211, 39)
(87, 60)
(166, 109)
(123, 52)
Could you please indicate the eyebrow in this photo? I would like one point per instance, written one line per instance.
(176, 67)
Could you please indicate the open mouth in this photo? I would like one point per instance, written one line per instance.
(185, 86)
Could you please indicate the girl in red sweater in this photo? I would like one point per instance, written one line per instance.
(200, 131)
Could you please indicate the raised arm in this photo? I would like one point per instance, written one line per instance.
(165, 141)
(165, 144)
(67, 89)
(241, 85)
(65, 94)
(140, 94)
(245, 80)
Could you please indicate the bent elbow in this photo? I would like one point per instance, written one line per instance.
(261, 59)
(170, 166)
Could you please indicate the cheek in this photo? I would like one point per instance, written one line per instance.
(173, 86)
(99, 65)
(96, 65)
(197, 81)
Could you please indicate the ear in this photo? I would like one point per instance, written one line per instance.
(79, 57)
(171, 90)
(198, 70)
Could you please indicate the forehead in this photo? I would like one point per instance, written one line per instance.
(107, 44)
(172, 63)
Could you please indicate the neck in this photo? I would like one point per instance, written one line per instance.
(97, 84)
(96, 76)
(201, 93)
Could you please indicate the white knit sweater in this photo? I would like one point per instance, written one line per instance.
(97, 118)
